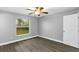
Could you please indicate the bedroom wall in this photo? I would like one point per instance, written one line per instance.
(51, 26)
(8, 27)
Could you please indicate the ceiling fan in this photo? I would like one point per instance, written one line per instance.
(37, 11)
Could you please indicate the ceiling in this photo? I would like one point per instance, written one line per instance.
(22, 10)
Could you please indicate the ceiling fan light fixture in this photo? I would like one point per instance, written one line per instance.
(39, 10)
(37, 13)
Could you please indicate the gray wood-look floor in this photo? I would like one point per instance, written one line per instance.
(37, 45)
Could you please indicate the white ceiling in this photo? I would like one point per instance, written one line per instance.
(22, 10)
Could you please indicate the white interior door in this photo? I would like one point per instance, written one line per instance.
(70, 30)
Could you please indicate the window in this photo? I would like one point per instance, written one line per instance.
(22, 26)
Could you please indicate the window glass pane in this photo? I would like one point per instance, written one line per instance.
(22, 26)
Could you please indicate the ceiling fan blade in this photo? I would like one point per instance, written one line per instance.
(45, 12)
(36, 7)
(41, 8)
(30, 13)
(30, 9)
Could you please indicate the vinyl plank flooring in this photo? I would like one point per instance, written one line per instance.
(37, 44)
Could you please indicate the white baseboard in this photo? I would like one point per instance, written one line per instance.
(33, 37)
(17, 40)
(55, 40)
(51, 39)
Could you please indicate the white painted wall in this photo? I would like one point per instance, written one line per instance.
(51, 26)
(8, 27)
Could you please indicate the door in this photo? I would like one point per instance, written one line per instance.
(70, 30)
